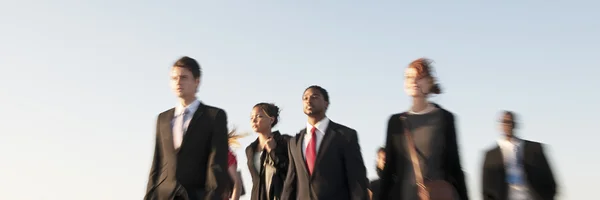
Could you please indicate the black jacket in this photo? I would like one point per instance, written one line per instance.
(396, 160)
(277, 158)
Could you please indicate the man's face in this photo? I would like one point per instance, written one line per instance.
(507, 125)
(380, 159)
(314, 103)
(183, 82)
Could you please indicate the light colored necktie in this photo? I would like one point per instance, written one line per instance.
(514, 176)
(179, 129)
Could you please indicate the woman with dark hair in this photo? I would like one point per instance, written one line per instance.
(425, 134)
(267, 155)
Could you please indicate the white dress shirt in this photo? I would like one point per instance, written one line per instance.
(320, 132)
(178, 133)
(512, 150)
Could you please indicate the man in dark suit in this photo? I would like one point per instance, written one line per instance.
(190, 156)
(325, 161)
(516, 169)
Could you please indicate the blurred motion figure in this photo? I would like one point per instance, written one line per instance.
(422, 152)
(375, 185)
(516, 169)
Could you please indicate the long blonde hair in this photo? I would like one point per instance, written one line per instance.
(233, 136)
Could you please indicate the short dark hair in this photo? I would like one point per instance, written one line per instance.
(509, 113)
(512, 115)
(271, 110)
(190, 64)
(381, 150)
(321, 90)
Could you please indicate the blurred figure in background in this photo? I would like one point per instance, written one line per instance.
(267, 156)
(422, 153)
(236, 189)
(516, 169)
(375, 185)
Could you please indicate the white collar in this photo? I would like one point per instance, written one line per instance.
(511, 141)
(191, 108)
(427, 109)
(321, 125)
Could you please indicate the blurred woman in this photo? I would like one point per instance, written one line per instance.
(425, 133)
(236, 190)
(267, 155)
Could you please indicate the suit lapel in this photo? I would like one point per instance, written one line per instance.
(250, 151)
(166, 128)
(193, 123)
(525, 154)
(498, 158)
(300, 152)
(327, 138)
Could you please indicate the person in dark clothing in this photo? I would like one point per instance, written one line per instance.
(325, 158)
(375, 185)
(516, 169)
(432, 130)
(190, 153)
(267, 156)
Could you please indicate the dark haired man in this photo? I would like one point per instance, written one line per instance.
(375, 185)
(190, 156)
(516, 169)
(325, 161)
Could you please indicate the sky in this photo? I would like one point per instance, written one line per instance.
(82, 82)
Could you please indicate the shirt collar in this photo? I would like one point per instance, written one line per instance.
(511, 141)
(191, 108)
(321, 125)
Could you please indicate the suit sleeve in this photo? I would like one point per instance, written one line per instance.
(455, 174)
(217, 176)
(550, 182)
(389, 169)
(485, 179)
(289, 185)
(156, 167)
(356, 172)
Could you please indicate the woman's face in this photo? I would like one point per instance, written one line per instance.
(415, 85)
(260, 122)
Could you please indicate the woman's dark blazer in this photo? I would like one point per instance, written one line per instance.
(277, 158)
(397, 159)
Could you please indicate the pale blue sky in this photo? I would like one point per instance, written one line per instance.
(82, 82)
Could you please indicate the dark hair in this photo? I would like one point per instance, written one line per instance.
(424, 69)
(321, 90)
(271, 110)
(381, 149)
(190, 64)
(512, 115)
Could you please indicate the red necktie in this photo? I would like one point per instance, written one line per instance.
(311, 150)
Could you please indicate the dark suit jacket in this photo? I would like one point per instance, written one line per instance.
(375, 187)
(339, 171)
(397, 159)
(277, 158)
(199, 167)
(536, 167)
